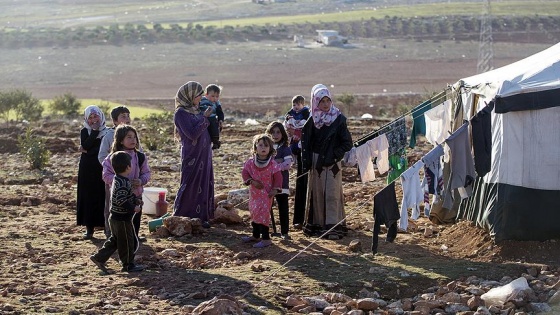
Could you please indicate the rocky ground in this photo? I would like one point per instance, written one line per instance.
(428, 269)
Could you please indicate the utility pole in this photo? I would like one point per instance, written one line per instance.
(485, 46)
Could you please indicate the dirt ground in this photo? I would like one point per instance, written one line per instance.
(248, 71)
(45, 265)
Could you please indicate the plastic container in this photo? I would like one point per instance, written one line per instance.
(153, 224)
(161, 204)
(150, 197)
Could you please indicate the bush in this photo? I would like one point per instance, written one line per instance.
(105, 107)
(34, 150)
(23, 103)
(345, 102)
(5, 105)
(157, 130)
(66, 104)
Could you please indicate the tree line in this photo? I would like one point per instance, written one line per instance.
(525, 28)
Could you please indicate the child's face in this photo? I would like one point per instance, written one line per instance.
(297, 106)
(123, 119)
(263, 149)
(94, 119)
(129, 142)
(213, 96)
(276, 134)
(325, 104)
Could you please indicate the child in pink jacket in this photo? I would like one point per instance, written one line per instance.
(262, 174)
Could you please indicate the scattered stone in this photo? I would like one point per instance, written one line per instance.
(367, 304)
(8, 308)
(219, 305)
(242, 255)
(428, 232)
(355, 246)
(170, 252)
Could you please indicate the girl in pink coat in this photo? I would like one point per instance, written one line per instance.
(262, 174)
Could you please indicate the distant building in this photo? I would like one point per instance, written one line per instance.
(330, 38)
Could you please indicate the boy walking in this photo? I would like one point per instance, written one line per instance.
(123, 206)
(212, 99)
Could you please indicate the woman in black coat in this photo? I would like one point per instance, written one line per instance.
(325, 140)
(91, 188)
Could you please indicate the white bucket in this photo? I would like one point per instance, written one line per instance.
(150, 196)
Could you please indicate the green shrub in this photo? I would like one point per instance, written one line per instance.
(5, 105)
(31, 110)
(22, 103)
(345, 102)
(34, 150)
(66, 104)
(157, 130)
(105, 107)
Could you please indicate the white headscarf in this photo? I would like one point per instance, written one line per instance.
(320, 117)
(102, 128)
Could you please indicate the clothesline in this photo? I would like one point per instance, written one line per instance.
(436, 99)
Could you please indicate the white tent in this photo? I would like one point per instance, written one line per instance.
(520, 197)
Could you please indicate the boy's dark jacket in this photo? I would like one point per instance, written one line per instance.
(123, 200)
(337, 142)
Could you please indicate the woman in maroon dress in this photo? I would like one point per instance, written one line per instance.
(195, 197)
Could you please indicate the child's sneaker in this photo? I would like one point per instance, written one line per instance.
(99, 264)
(285, 237)
(249, 239)
(263, 244)
(133, 268)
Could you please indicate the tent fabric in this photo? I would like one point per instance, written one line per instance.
(519, 197)
(530, 149)
(525, 101)
(512, 212)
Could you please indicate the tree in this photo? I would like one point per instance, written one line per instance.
(27, 107)
(5, 105)
(66, 104)
(22, 102)
(348, 100)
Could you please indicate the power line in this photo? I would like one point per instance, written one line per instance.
(485, 48)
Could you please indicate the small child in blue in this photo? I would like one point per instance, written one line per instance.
(212, 99)
(294, 121)
(284, 160)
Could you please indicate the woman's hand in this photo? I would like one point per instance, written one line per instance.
(272, 192)
(95, 125)
(208, 112)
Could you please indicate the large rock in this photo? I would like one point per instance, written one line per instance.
(178, 226)
(219, 305)
(239, 198)
(222, 215)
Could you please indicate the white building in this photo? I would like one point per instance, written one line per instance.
(330, 38)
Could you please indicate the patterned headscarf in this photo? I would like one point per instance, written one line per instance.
(92, 109)
(320, 117)
(186, 95)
